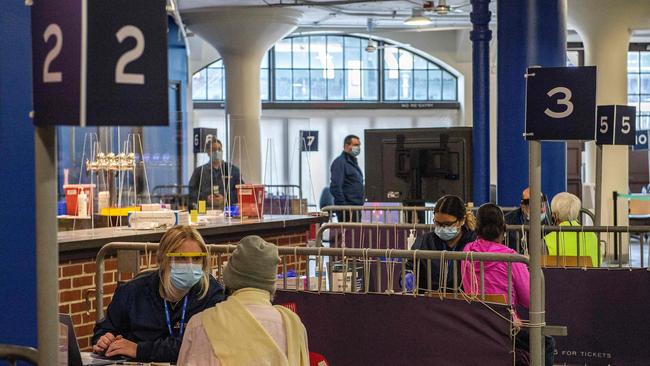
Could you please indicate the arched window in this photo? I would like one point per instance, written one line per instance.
(333, 67)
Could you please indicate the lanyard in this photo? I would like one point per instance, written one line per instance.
(169, 322)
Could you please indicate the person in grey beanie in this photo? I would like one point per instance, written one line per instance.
(246, 330)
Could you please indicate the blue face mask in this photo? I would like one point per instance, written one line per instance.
(185, 275)
(356, 150)
(446, 233)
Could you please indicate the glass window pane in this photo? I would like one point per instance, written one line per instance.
(215, 84)
(419, 63)
(644, 122)
(390, 59)
(391, 87)
(318, 85)
(448, 86)
(334, 84)
(420, 84)
(353, 84)
(317, 52)
(265, 60)
(370, 87)
(633, 83)
(644, 104)
(633, 62)
(405, 59)
(199, 83)
(335, 53)
(352, 52)
(645, 84)
(433, 66)
(405, 84)
(283, 84)
(283, 54)
(264, 84)
(301, 52)
(645, 61)
(300, 84)
(368, 59)
(435, 85)
(218, 63)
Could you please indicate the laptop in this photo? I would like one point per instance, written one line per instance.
(75, 357)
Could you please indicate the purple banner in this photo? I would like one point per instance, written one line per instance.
(401, 330)
(605, 312)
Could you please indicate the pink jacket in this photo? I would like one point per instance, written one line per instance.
(496, 273)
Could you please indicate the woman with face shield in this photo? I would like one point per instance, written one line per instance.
(148, 315)
(453, 228)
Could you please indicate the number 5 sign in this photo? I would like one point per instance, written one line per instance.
(100, 62)
(560, 103)
(616, 125)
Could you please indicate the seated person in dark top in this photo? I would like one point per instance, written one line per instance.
(209, 181)
(521, 216)
(147, 316)
(453, 228)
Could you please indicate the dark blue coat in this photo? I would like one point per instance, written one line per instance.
(346, 184)
(431, 241)
(517, 217)
(137, 312)
(205, 188)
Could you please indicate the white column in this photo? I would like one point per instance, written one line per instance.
(242, 36)
(605, 29)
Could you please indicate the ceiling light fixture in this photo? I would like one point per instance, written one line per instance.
(442, 8)
(417, 18)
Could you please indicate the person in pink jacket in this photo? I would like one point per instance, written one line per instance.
(491, 230)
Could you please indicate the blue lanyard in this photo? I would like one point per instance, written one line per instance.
(169, 322)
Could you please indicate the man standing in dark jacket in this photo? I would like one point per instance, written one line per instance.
(346, 184)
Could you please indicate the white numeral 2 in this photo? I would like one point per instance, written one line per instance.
(48, 76)
(120, 76)
(566, 101)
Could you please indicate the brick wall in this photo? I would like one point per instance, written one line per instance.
(77, 285)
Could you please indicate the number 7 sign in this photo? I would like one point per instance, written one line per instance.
(100, 62)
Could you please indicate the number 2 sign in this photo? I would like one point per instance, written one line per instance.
(560, 103)
(100, 62)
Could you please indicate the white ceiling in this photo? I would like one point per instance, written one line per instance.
(355, 13)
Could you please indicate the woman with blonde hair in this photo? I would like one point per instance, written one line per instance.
(148, 315)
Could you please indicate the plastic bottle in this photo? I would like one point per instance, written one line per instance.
(82, 204)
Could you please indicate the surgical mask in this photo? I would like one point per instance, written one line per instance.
(446, 233)
(542, 217)
(216, 155)
(185, 275)
(356, 150)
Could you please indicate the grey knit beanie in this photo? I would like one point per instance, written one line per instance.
(253, 264)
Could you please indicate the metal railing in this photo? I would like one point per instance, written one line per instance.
(346, 269)
(12, 354)
(603, 233)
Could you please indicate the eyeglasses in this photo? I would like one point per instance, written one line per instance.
(444, 224)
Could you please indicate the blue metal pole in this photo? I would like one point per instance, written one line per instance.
(530, 32)
(547, 37)
(480, 37)
(512, 149)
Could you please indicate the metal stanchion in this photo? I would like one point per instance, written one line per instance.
(535, 250)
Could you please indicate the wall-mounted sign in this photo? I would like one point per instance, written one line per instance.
(560, 103)
(202, 138)
(308, 140)
(641, 140)
(100, 62)
(616, 125)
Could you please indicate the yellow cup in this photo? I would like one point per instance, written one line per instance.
(194, 216)
(201, 206)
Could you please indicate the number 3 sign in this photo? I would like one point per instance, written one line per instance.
(560, 103)
(100, 62)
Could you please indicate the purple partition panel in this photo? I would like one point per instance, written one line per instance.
(606, 312)
(401, 330)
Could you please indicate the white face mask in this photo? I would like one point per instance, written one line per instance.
(216, 156)
(356, 150)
